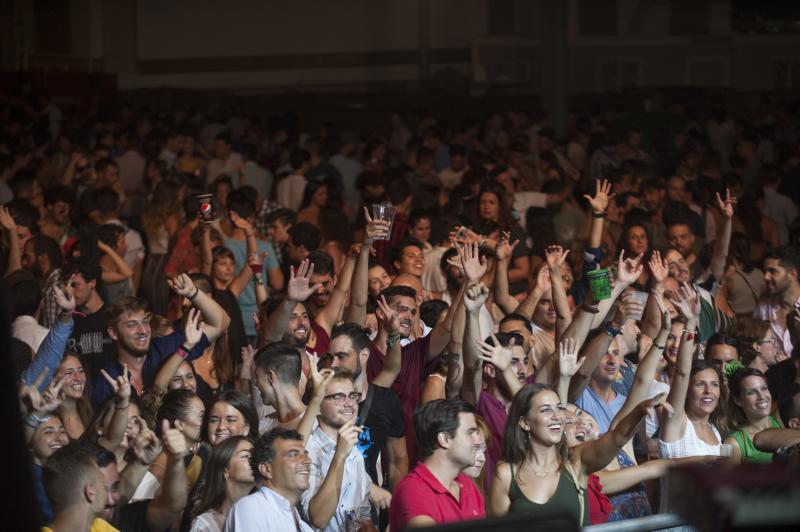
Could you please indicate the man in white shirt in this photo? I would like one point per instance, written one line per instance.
(226, 161)
(282, 467)
(328, 503)
(291, 188)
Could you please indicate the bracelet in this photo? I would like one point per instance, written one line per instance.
(121, 408)
(191, 297)
(590, 309)
(182, 352)
(391, 340)
(612, 331)
(659, 346)
(33, 417)
(601, 214)
(690, 335)
(258, 279)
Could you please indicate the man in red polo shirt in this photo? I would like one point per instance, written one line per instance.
(436, 491)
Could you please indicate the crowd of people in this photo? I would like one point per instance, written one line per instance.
(214, 330)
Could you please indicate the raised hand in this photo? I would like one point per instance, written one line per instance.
(726, 205)
(497, 355)
(629, 270)
(687, 302)
(64, 298)
(666, 317)
(173, 441)
(121, 385)
(504, 249)
(375, 229)
(348, 437)
(543, 285)
(473, 263)
(476, 297)
(568, 363)
(51, 398)
(241, 223)
(194, 328)
(658, 267)
(6, 220)
(183, 286)
(29, 397)
(464, 235)
(146, 447)
(298, 289)
(629, 308)
(555, 257)
(248, 355)
(320, 380)
(659, 400)
(599, 202)
(391, 319)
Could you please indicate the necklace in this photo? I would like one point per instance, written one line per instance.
(538, 474)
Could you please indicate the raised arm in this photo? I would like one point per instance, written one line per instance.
(592, 353)
(255, 262)
(503, 253)
(473, 365)
(688, 304)
(651, 319)
(542, 287)
(119, 420)
(646, 371)
(167, 506)
(359, 287)
(501, 358)
(206, 251)
(319, 381)
(239, 282)
(328, 316)
(10, 230)
(192, 334)
(215, 319)
(556, 257)
(770, 440)
(144, 451)
(628, 271)
(596, 454)
(297, 291)
(322, 505)
(38, 405)
(581, 324)
(51, 351)
(722, 243)
(599, 204)
(123, 270)
(568, 366)
(392, 360)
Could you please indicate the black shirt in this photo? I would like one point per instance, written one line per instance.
(90, 340)
(384, 420)
(236, 334)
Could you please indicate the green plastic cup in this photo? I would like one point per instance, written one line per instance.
(600, 284)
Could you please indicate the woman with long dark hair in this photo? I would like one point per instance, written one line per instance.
(743, 283)
(160, 221)
(540, 472)
(228, 478)
(315, 200)
(75, 409)
(750, 406)
(231, 414)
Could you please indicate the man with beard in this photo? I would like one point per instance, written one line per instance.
(504, 376)
(337, 497)
(712, 319)
(129, 327)
(90, 337)
(379, 409)
(782, 291)
(288, 319)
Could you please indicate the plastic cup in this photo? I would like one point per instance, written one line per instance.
(206, 213)
(384, 211)
(600, 284)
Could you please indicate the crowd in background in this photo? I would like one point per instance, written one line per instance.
(213, 330)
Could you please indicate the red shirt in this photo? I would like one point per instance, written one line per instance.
(408, 386)
(322, 341)
(421, 493)
(599, 505)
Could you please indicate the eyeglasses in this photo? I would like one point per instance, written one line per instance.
(773, 341)
(339, 398)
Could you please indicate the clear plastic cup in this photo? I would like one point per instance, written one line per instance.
(384, 211)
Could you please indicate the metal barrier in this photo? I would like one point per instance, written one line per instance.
(651, 522)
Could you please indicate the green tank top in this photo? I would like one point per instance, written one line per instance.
(567, 498)
(748, 450)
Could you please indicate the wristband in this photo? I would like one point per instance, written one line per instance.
(121, 408)
(613, 332)
(690, 335)
(36, 420)
(590, 309)
(391, 340)
(602, 214)
(194, 295)
(182, 351)
(258, 279)
(659, 346)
